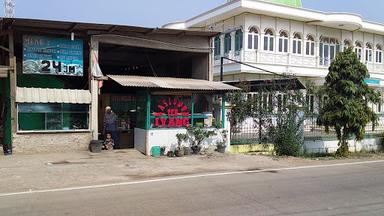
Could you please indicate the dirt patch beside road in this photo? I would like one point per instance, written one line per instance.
(48, 171)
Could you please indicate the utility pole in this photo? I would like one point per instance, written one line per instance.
(9, 8)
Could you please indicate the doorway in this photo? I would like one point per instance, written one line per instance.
(5, 116)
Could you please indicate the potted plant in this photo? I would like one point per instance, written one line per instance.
(181, 137)
(162, 150)
(187, 150)
(197, 135)
(222, 145)
(171, 154)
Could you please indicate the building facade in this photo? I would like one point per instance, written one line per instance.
(56, 78)
(280, 36)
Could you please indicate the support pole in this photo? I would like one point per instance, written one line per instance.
(192, 109)
(222, 69)
(148, 111)
(223, 110)
(94, 88)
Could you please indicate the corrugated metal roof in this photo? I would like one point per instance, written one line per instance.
(7, 23)
(171, 83)
(40, 95)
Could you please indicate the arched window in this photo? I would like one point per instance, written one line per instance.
(253, 38)
(269, 40)
(283, 42)
(368, 52)
(217, 46)
(359, 50)
(379, 53)
(310, 46)
(296, 48)
(329, 48)
(227, 43)
(238, 41)
(347, 44)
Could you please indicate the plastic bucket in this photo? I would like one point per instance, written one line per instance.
(155, 151)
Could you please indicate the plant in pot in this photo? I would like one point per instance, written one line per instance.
(181, 137)
(222, 145)
(162, 150)
(197, 135)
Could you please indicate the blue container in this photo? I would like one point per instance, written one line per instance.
(155, 151)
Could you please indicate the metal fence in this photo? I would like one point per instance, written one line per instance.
(252, 132)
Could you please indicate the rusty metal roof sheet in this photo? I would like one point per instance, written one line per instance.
(171, 83)
(40, 95)
(7, 23)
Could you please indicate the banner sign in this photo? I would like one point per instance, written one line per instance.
(53, 56)
(172, 113)
(372, 81)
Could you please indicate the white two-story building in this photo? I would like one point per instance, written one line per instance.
(282, 37)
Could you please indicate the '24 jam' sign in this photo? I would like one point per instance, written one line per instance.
(172, 113)
(54, 56)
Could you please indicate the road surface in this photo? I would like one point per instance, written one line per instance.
(355, 189)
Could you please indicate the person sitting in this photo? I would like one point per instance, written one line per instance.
(108, 143)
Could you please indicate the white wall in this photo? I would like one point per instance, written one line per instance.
(167, 138)
(140, 140)
(330, 146)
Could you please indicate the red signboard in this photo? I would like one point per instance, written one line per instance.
(172, 113)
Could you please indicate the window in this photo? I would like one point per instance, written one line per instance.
(269, 40)
(253, 39)
(227, 43)
(347, 44)
(310, 46)
(53, 117)
(368, 52)
(171, 111)
(238, 41)
(217, 46)
(283, 42)
(359, 50)
(329, 48)
(296, 48)
(379, 54)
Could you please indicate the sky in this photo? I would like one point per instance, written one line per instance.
(155, 13)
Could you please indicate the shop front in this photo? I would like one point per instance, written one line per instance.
(155, 109)
(64, 75)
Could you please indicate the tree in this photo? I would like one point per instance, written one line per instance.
(347, 107)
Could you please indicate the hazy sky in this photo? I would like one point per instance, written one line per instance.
(154, 13)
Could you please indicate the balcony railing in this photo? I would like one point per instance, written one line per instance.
(287, 59)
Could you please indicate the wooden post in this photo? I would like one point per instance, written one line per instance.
(94, 88)
(13, 81)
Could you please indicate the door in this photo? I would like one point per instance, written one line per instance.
(5, 115)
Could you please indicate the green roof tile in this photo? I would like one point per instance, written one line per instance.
(293, 3)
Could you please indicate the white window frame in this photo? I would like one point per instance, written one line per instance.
(368, 53)
(359, 51)
(283, 41)
(379, 55)
(310, 46)
(330, 44)
(253, 37)
(270, 41)
(297, 44)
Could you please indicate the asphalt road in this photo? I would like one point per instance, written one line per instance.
(337, 190)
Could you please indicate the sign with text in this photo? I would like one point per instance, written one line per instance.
(52, 56)
(172, 113)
